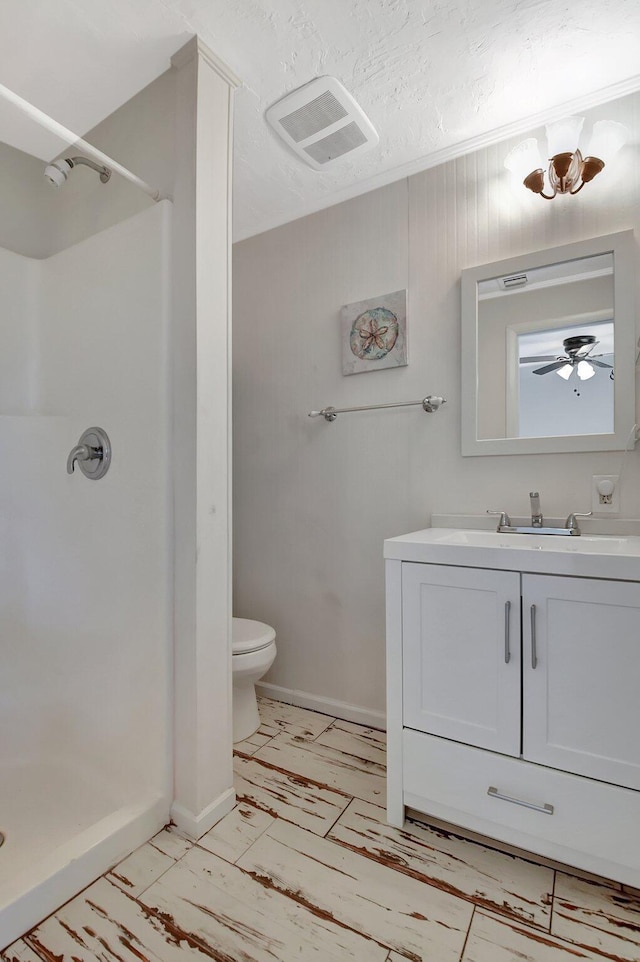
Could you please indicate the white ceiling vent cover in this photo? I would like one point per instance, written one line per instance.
(322, 123)
(515, 280)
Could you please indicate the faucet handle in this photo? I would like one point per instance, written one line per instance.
(505, 520)
(92, 454)
(571, 522)
(81, 452)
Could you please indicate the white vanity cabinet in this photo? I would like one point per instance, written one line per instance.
(461, 654)
(514, 704)
(581, 676)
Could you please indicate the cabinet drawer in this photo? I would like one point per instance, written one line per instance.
(593, 825)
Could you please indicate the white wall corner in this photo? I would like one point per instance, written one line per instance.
(196, 48)
(195, 826)
(203, 749)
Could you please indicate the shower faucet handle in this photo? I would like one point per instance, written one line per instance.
(81, 452)
(92, 454)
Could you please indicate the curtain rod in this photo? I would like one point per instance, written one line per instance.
(39, 117)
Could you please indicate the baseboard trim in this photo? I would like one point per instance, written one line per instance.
(328, 706)
(195, 826)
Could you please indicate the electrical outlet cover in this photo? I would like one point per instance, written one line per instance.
(599, 505)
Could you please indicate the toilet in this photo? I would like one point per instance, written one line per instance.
(254, 650)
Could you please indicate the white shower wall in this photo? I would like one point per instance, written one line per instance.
(19, 285)
(85, 585)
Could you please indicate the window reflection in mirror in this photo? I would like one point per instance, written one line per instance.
(546, 351)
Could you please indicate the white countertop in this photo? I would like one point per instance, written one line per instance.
(613, 556)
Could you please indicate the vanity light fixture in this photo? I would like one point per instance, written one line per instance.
(569, 169)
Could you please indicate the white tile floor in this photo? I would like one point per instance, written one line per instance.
(306, 868)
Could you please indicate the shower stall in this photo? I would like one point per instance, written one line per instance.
(85, 564)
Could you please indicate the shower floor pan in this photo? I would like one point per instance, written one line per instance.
(62, 830)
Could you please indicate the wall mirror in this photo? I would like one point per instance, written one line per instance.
(549, 350)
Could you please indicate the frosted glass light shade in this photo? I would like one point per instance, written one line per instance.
(607, 137)
(585, 370)
(565, 371)
(524, 159)
(563, 135)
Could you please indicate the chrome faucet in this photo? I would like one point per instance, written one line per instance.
(571, 523)
(536, 514)
(571, 526)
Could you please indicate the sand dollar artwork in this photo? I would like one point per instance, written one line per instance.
(374, 334)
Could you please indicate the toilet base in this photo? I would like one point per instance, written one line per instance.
(246, 720)
(248, 667)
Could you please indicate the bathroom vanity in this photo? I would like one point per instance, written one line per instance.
(513, 699)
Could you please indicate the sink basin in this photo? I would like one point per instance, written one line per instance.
(597, 556)
(599, 544)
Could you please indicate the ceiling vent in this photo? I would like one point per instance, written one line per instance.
(322, 123)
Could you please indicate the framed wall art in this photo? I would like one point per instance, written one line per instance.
(374, 333)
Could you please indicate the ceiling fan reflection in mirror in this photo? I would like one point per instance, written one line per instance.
(578, 356)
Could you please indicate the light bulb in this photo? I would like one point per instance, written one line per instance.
(524, 159)
(585, 370)
(565, 371)
(607, 138)
(563, 135)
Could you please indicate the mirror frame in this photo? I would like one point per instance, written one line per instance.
(621, 245)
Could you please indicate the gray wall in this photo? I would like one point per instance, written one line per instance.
(314, 501)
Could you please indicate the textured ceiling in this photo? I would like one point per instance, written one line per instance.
(433, 77)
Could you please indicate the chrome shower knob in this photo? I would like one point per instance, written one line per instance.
(92, 454)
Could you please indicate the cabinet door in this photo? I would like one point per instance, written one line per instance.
(582, 688)
(461, 654)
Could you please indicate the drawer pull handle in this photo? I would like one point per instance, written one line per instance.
(507, 650)
(534, 651)
(545, 809)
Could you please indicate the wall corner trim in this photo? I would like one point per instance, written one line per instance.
(196, 48)
(195, 826)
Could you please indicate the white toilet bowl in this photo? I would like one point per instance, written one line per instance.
(254, 650)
